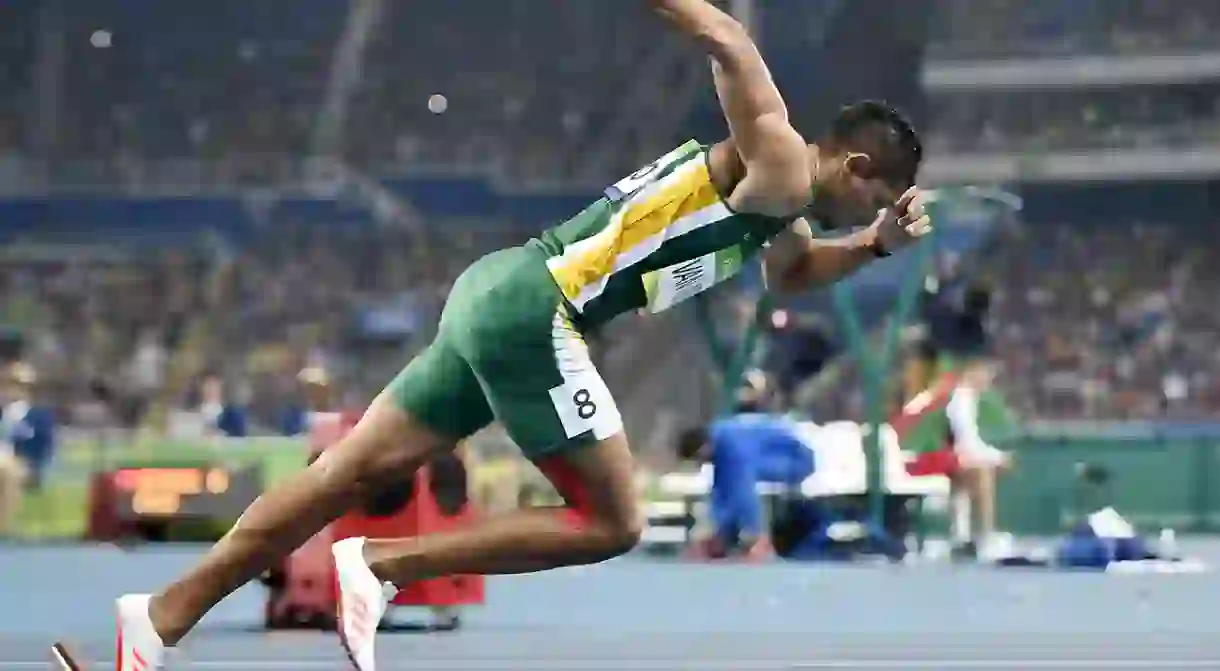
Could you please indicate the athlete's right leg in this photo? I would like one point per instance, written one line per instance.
(395, 437)
(392, 440)
(385, 444)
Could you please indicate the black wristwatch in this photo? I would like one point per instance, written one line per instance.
(877, 249)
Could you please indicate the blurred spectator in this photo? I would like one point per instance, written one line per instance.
(953, 312)
(29, 426)
(756, 393)
(222, 412)
(314, 395)
(145, 371)
(800, 348)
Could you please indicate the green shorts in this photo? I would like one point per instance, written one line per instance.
(506, 351)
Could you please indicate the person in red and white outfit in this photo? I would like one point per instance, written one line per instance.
(979, 463)
(971, 463)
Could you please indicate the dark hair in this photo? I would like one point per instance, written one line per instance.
(690, 442)
(902, 149)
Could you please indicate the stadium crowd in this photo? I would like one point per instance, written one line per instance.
(1110, 321)
(107, 326)
(1104, 322)
(124, 94)
(1129, 336)
(540, 114)
(92, 322)
(231, 83)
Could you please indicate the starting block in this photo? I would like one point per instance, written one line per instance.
(839, 481)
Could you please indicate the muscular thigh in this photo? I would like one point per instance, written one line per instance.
(530, 360)
(440, 391)
(597, 481)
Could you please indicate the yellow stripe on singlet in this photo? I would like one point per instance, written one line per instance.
(676, 204)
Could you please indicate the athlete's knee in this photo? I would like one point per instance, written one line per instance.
(597, 488)
(615, 534)
(625, 535)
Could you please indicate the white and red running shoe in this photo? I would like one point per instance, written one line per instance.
(361, 600)
(138, 646)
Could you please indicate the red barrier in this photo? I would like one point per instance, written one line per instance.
(424, 510)
(433, 499)
(103, 524)
(301, 592)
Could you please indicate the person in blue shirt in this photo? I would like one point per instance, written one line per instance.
(314, 395)
(745, 450)
(27, 426)
(223, 415)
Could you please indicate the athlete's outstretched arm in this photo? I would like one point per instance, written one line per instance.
(777, 177)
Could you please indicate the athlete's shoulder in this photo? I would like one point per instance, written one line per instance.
(770, 193)
(725, 165)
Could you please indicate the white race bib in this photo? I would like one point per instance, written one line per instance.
(671, 285)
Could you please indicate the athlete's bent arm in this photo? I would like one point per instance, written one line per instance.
(796, 260)
(777, 180)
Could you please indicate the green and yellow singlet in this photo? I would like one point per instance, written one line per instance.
(656, 238)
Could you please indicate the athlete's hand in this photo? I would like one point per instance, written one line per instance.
(900, 225)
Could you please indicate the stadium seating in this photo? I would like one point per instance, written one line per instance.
(1136, 117)
(996, 28)
(1142, 114)
(207, 81)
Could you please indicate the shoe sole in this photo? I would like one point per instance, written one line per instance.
(64, 659)
(347, 648)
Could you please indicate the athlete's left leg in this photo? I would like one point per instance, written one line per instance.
(600, 521)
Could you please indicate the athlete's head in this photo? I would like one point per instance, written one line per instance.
(866, 160)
